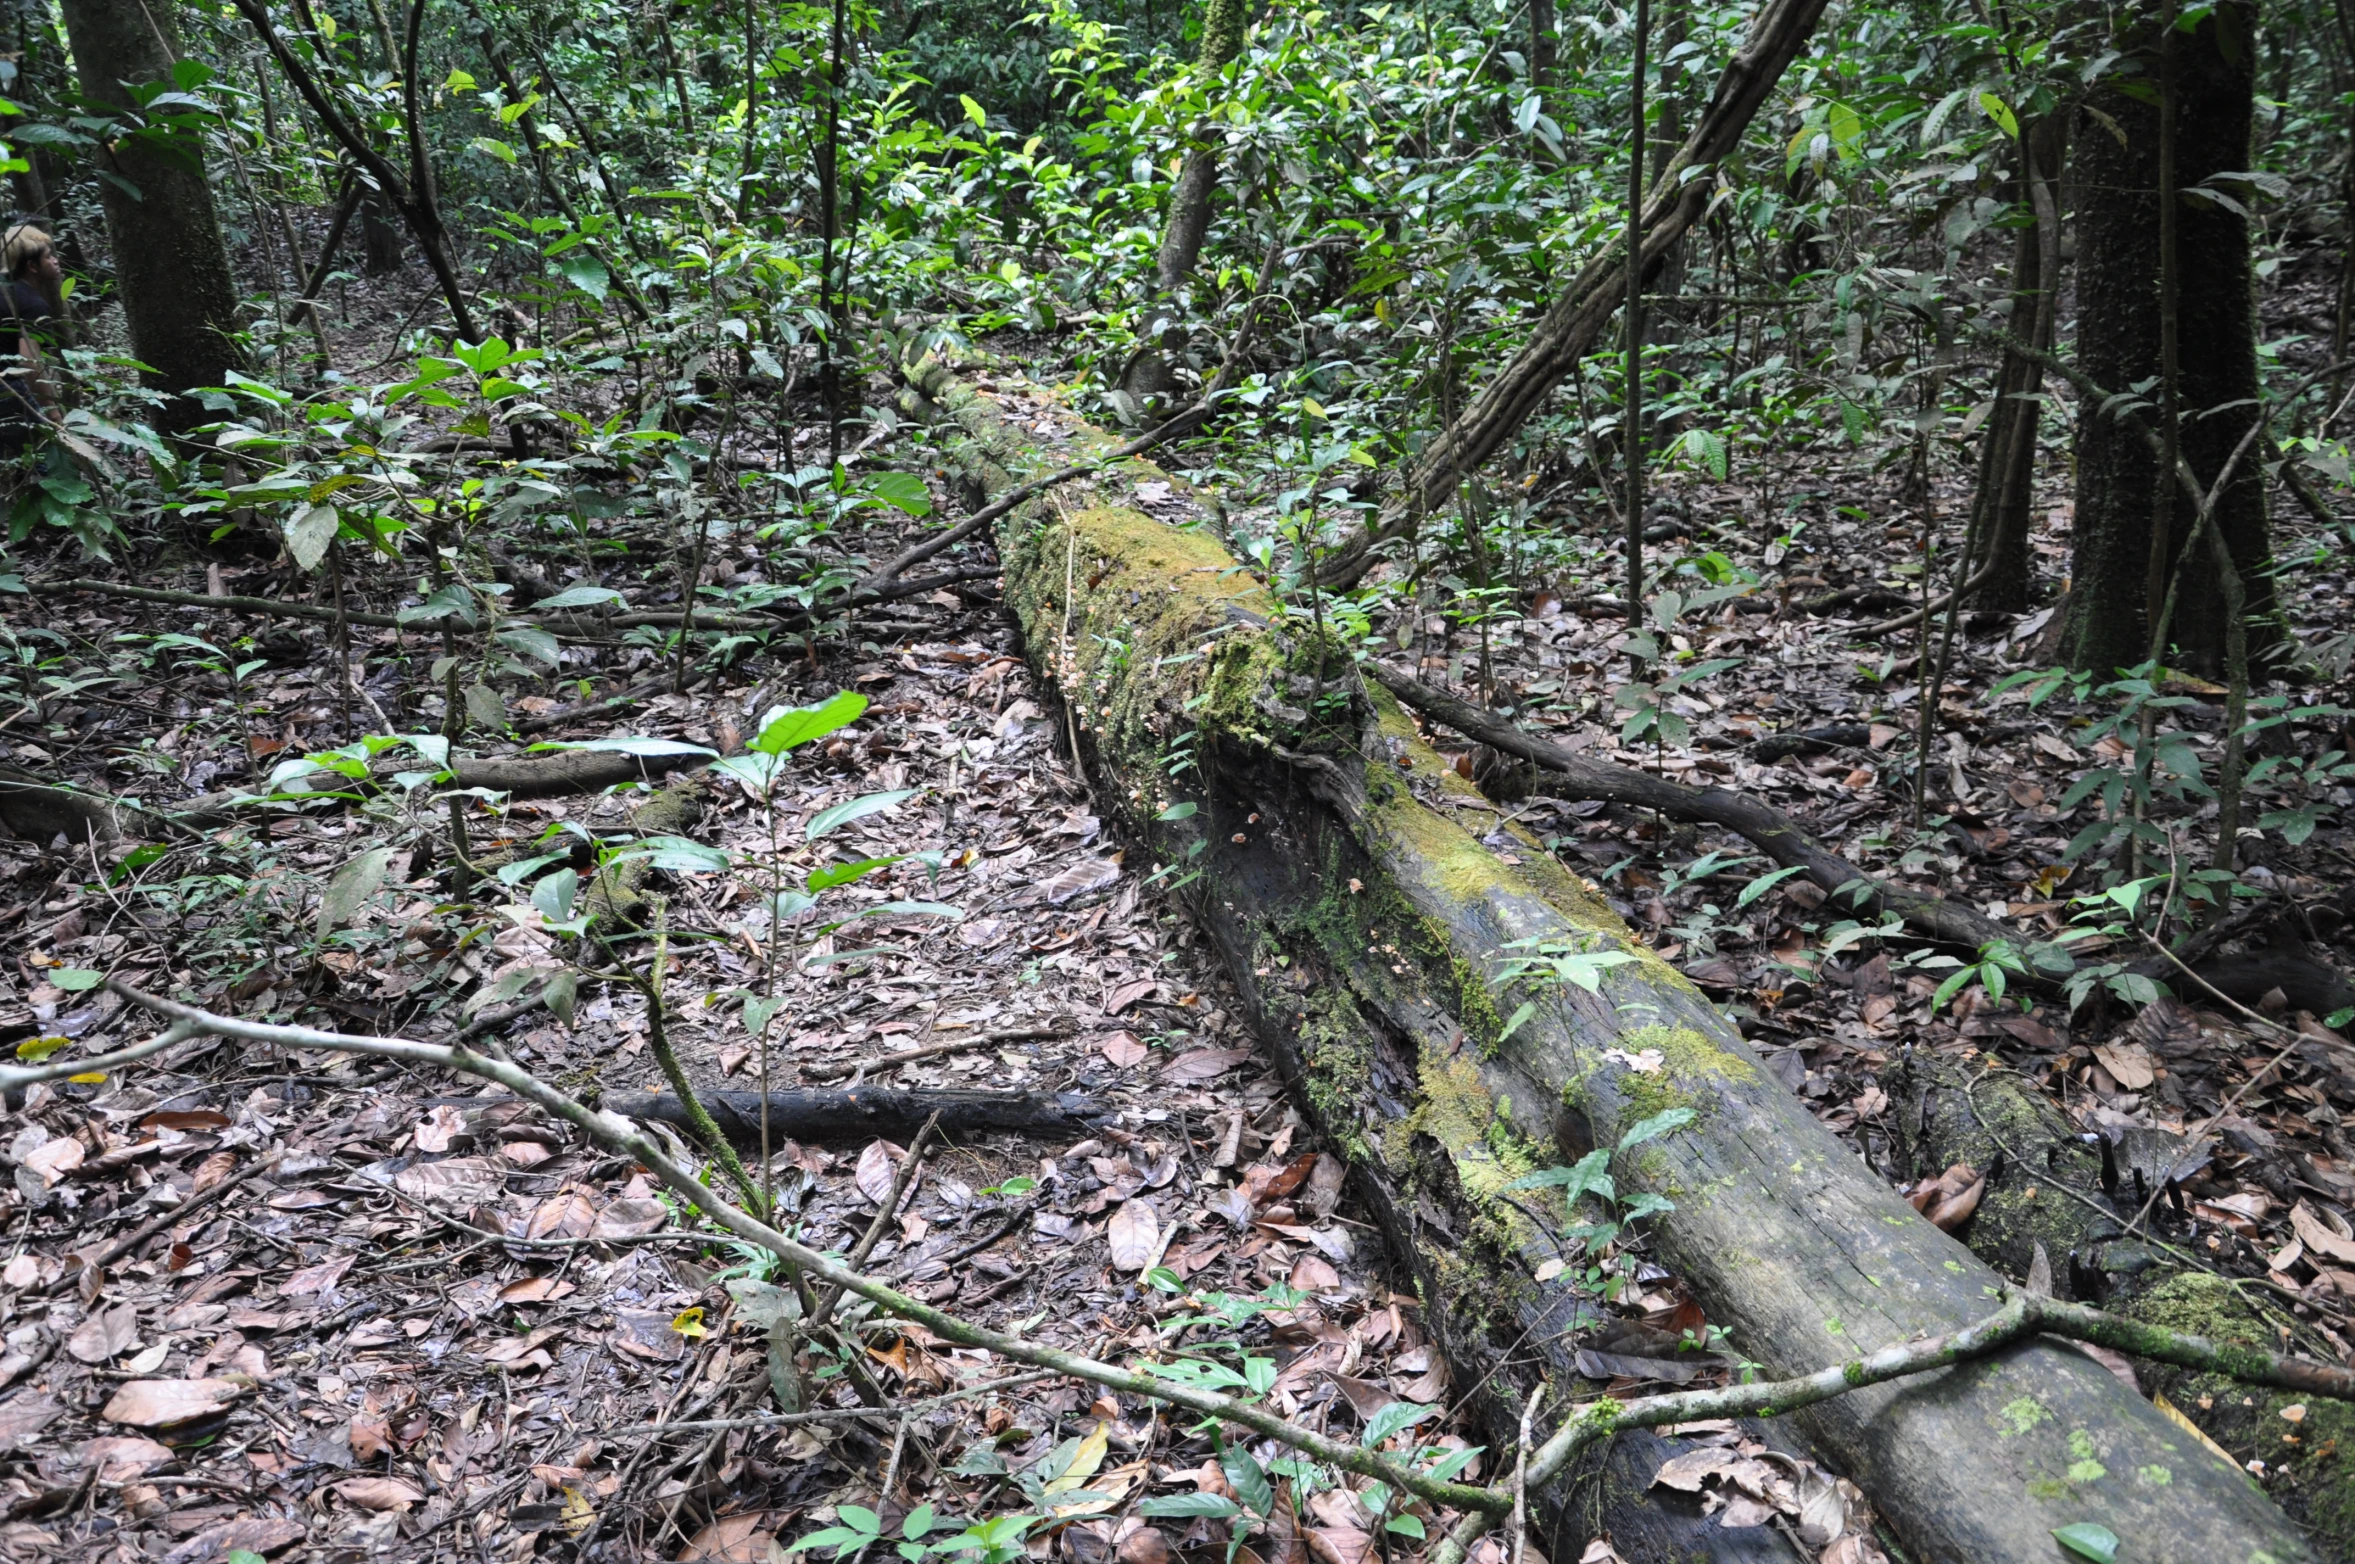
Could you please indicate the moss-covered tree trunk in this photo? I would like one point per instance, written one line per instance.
(2118, 346)
(179, 296)
(1188, 224)
(1332, 860)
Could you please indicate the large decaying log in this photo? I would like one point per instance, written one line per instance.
(1363, 924)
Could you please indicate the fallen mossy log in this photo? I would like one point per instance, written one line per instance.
(863, 1112)
(1366, 930)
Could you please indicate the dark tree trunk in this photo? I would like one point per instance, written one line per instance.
(2118, 346)
(381, 246)
(179, 296)
(2010, 475)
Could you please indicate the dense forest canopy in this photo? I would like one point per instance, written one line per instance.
(1707, 624)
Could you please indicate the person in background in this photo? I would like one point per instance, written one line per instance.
(34, 304)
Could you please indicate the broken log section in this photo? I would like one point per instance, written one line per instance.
(863, 1112)
(1364, 930)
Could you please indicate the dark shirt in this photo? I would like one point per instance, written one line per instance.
(29, 315)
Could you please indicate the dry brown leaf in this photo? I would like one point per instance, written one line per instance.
(24, 1415)
(212, 1170)
(1203, 1064)
(630, 1217)
(119, 1458)
(2129, 1064)
(109, 1333)
(314, 1279)
(1310, 1273)
(162, 1403)
(878, 1166)
(55, 1160)
(1089, 874)
(460, 1181)
(1955, 1209)
(1134, 1234)
(1122, 1049)
(371, 1435)
(734, 1539)
(1128, 994)
(1324, 1184)
(438, 1129)
(2319, 1236)
(380, 1493)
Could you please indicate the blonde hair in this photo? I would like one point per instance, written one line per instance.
(22, 247)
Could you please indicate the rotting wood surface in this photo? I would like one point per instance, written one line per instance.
(1361, 920)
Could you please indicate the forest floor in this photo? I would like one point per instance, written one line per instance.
(423, 1321)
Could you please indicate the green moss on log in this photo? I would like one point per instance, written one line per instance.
(2308, 1459)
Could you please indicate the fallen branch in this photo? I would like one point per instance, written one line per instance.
(39, 811)
(2023, 1314)
(617, 1135)
(1769, 829)
(866, 1111)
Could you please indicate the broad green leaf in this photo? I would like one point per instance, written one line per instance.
(532, 642)
(1764, 883)
(353, 884)
(678, 855)
(2089, 1541)
(76, 980)
(633, 746)
(902, 491)
(790, 727)
(1248, 1478)
(1393, 1419)
(587, 273)
(1666, 1122)
(562, 994)
(580, 597)
(554, 895)
(1518, 1019)
(831, 819)
(309, 529)
(845, 873)
(1179, 811)
(2000, 112)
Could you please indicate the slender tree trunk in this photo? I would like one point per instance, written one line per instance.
(2119, 344)
(2010, 476)
(179, 296)
(381, 246)
(1189, 205)
(1542, 28)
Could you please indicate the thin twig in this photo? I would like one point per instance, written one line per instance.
(832, 1414)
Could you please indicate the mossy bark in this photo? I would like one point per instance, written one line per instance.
(2046, 1186)
(1362, 924)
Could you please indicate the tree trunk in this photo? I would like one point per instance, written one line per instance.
(2010, 474)
(2118, 346)
(2047, 1187)
(1189, 205)
(1364, 928)
(179, 296)
(381, 245)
